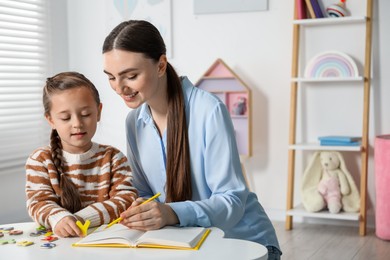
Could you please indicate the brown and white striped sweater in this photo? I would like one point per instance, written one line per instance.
(102, 176)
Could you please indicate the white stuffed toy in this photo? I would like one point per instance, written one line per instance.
(327, 183)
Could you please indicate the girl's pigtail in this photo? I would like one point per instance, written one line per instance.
(70, 197)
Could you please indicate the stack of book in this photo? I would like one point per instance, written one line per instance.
(312, 7)
(333, 140)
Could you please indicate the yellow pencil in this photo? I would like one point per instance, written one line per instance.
(152, 198)
(113, 222)
(146, 201)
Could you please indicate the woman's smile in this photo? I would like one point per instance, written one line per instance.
(130, 97)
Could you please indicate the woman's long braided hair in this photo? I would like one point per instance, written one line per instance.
(70, 198)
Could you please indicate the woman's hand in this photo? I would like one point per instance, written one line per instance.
(67, 227)
(148, 216)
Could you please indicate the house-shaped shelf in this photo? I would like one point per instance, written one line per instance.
(220, 80)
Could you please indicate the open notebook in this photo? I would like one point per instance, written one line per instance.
(169, 237)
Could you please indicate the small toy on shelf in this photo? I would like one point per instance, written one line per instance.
(331, 64)
(327, 183)
(337, 10)
(239, 108)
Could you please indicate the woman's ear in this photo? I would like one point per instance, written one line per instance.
(99, 111)
(162, 65)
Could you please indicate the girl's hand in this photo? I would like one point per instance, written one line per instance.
(148, 216)
(67, 227)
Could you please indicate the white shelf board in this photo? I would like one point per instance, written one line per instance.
(300, 211)
(317, 146)
(239, 116)
(329, 20)
(330, 79)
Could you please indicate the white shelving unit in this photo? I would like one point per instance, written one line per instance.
(296, 82)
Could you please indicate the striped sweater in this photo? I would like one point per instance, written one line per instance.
(102, 176)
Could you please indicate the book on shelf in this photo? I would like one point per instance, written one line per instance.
(310, 9)
(335, 143)
(317, 8)
(301, 9)
(169, 237)
(340, 138)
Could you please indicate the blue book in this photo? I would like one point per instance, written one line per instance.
(340, 138)
(336, 143)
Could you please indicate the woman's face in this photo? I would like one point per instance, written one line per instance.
(135, 78)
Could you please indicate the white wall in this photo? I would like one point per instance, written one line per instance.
(257, 46)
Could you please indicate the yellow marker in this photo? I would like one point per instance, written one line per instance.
(146, 201)
(83, 228)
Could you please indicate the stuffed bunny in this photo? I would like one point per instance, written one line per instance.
(333, 183)
(327, 183)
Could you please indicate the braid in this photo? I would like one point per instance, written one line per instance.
(56, 152)
(70, 197)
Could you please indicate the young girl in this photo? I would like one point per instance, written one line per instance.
(181, 143)
(75, 178)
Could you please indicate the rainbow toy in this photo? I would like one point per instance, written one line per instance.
(331, 64)
(337, 10)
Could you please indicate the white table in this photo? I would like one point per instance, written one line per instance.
(214, 247)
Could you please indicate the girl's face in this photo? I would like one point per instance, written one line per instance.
(74, 114)
(135, 78)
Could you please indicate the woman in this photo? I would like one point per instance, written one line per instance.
(180, 142)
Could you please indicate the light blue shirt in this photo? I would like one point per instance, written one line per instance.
(220, 197)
